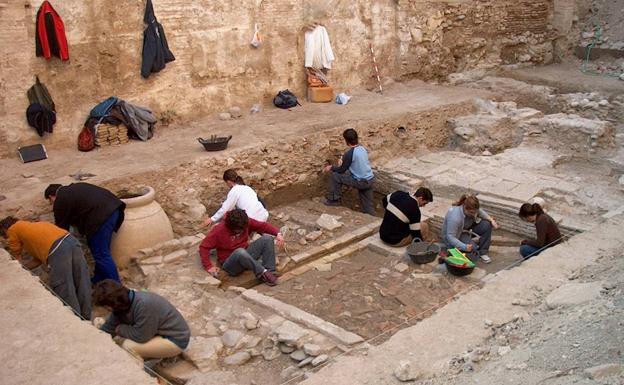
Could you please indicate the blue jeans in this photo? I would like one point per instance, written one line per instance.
(364, 187)
(484, 230)
(99, 244)
(259, 255)
(528, 251)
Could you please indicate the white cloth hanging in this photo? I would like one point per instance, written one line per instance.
(318, 51)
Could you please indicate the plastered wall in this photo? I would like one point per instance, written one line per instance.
(216, 68)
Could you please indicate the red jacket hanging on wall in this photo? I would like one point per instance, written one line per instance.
(50, 35)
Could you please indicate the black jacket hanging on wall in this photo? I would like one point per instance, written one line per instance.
(156, 52)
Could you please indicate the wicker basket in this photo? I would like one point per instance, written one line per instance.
(215, 143)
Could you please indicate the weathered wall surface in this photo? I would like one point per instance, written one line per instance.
(216, 68)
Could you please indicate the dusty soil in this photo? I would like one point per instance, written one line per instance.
(565, 77)
(554, 346)
(366, 294)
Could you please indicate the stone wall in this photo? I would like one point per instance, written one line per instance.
(216, 68)
(288, 170)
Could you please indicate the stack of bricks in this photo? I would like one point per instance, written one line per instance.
(107, 135)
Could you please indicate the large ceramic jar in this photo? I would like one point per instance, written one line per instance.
(145, 225)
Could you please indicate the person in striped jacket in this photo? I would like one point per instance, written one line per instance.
(401, 221)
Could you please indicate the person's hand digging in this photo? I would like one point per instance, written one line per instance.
(207, 222)
(214, 271)
(279, 240)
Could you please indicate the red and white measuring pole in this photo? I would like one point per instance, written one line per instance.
(376, 69)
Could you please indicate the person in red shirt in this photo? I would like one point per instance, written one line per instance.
(234, 252)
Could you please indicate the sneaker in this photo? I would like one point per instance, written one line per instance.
(331, 202)
(486, 258)
(268, 278)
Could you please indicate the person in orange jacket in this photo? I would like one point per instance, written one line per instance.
(69, 275)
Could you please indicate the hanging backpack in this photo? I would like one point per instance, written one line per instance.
(86, 139)
(285, 99)
(39, 94)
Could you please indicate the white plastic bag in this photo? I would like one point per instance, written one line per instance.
(342, 98)
(256, 41)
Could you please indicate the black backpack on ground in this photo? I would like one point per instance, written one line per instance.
(285, 99)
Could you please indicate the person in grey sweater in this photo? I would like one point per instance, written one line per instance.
(149, 325)
(468, 228)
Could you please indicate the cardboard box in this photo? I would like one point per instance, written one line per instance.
(320, 94)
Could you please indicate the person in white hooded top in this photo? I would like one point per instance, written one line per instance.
(241, 197)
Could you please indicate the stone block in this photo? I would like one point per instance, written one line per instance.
(320, 360)
(231, 338)
(298, 315)
(405, 372)
(401, 267)
(190, 241)
(312, 349)
(204, 352)
(305, 361)
(237, 359)
(329, 222)
(290, 333)
(175, 256)
(573, 294)
(298, 355)
(157, 260)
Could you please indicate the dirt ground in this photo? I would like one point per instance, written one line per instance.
(365, 294)
(370, 292)
(554, 346)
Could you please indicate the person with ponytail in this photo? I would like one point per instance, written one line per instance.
(545, 227)
(468, 228)
(241, 197)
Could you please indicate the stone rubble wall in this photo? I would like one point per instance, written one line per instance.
(215, 67)
(190, 191)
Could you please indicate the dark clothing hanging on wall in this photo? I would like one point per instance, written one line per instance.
(39, 93)
(156, 51)
(50, 37)
(40, 118)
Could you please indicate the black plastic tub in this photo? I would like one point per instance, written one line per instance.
(458, 270)
(215, 143)
(422, 252)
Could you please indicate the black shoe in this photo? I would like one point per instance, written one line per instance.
(331, 202)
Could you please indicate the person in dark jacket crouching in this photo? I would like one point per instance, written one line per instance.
(97, 213)
(149, 326)
(546, 230)
(401, 221)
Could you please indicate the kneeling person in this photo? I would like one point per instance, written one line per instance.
(401, 222)
(234, 252)
(69, 275)
(150, 326)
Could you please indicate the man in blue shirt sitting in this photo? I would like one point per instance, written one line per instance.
(353, 170)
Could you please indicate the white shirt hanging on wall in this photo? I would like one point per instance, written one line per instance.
(318, 51)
